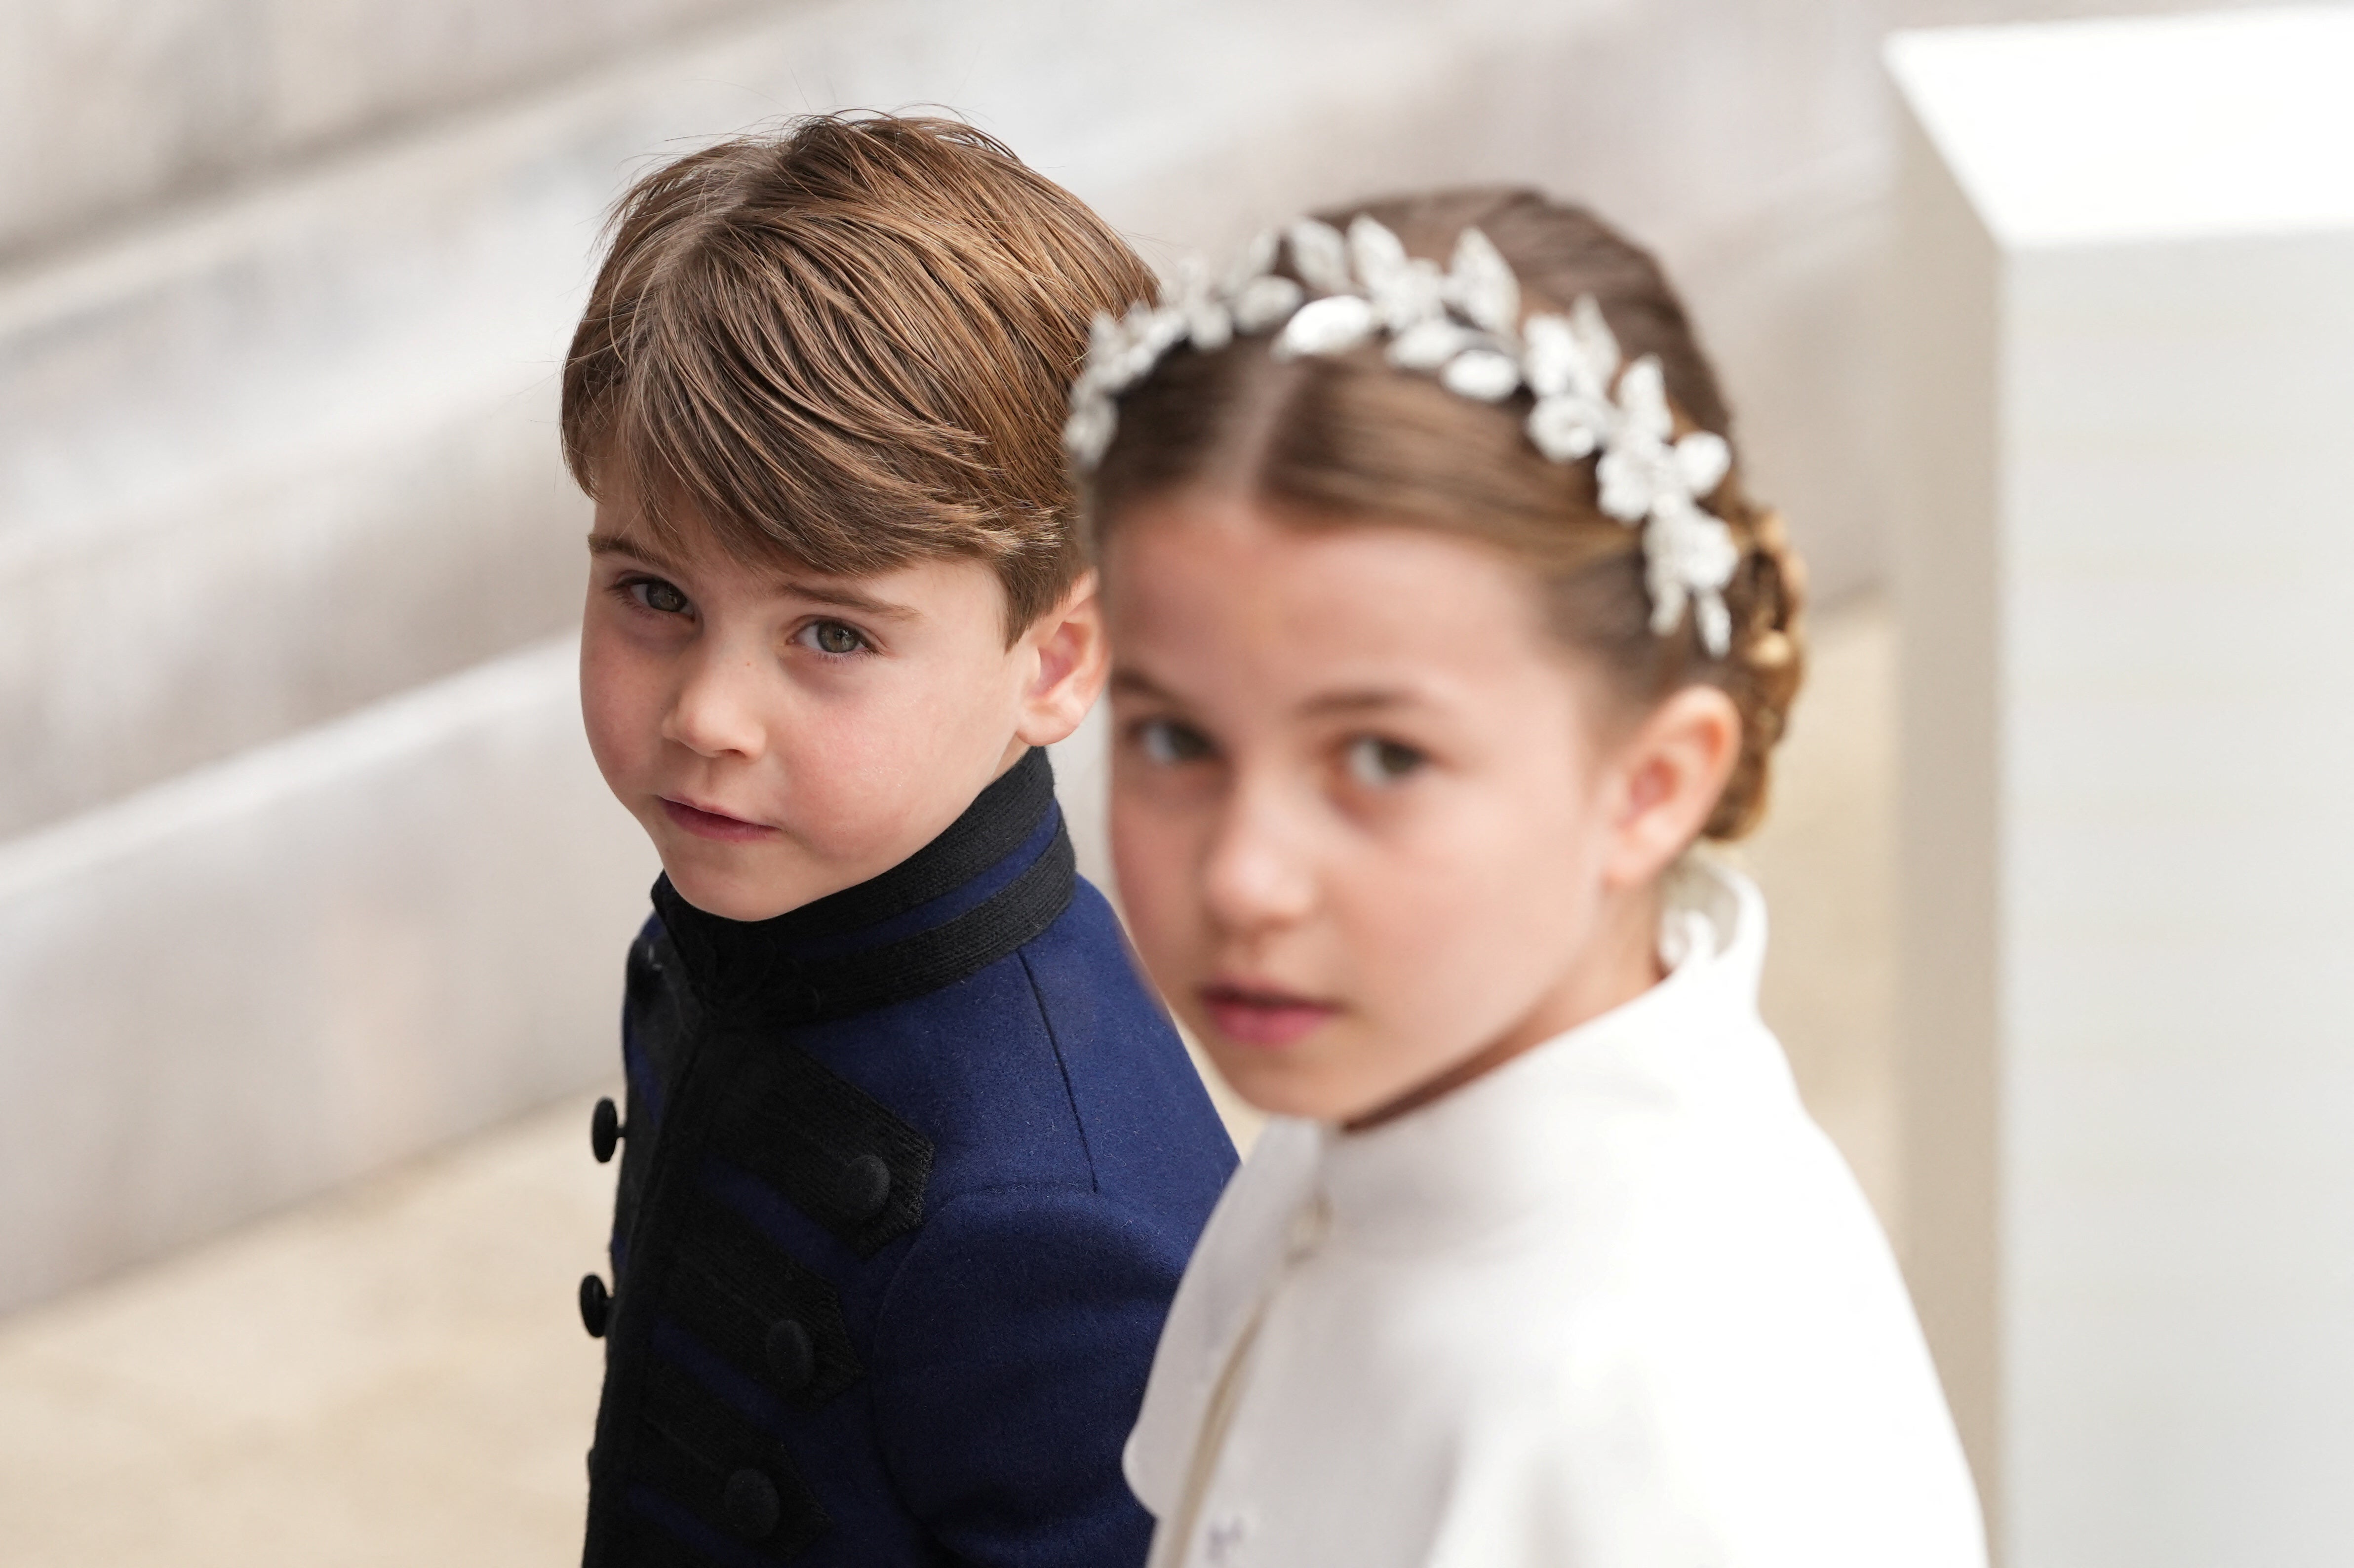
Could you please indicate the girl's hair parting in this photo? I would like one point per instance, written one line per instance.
(845, 346)
(1331, 438)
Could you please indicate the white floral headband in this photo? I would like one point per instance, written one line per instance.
(1464, 324)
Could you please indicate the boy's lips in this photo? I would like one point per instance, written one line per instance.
(1261, 1015)
(704, 823)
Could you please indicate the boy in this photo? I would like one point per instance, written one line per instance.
(913, 1161)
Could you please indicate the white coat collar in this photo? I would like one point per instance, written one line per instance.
(1485, 1154)
(1477, 1157)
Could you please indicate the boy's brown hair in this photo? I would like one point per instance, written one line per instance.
(848, 346)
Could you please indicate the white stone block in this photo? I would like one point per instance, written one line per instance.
(2126, 290)
(225, 993)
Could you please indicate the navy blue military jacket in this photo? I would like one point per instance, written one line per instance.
(909, 1176)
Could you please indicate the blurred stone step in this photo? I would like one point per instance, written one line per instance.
(105, 110)
(300, 448)
(232, 990)
(229, 618)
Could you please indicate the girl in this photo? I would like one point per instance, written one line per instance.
(1443, 629)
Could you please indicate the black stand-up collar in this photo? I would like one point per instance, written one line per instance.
(993, 880)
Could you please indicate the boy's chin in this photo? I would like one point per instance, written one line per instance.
(742, 892)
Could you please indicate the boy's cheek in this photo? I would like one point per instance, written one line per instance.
(618, 711)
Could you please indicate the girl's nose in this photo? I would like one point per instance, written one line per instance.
(716, 711)
(1259, 874)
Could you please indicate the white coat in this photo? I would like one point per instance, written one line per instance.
(1616, 1304)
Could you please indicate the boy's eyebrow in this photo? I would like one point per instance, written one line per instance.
(843, 597)
(617, 545)
(840, 594)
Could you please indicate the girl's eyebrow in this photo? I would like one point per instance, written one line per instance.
(1126, 679)
(1365, 700)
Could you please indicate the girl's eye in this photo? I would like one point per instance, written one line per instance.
(1167, 743)
(1377, 763)
(658, 596)
(833, 637)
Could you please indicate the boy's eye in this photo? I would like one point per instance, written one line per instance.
(1377, 763)
(658, 596)
(1166, 743)
(833, 637)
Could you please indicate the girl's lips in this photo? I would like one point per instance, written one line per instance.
(1263, 1017)
(705, 824)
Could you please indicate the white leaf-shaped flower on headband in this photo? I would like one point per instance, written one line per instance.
(1094, 415)
(1209, 324)
(1265, 301)
(1594, 336)
(1086, 434)
(1574, 415)
(1121, 351)
(1573, 356)
(1427, 345)
(1688, 556)
(1320, 255)
(1256, 260)
(1406, 290)
(1641, 467)
(1376, 255)
(1570, 361)
(1481, 284)
(1333, 324)
(1483, 374)
(1259, 300)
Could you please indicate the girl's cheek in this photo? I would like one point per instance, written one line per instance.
(1150, 859)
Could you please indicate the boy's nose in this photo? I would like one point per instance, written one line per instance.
(717, 711)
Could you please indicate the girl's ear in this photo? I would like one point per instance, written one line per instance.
(1072, 659)
(1669, 772)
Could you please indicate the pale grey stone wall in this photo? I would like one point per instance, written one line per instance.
(108, 107)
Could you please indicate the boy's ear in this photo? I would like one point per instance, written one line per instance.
(1071, 661)
(1670, 770)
